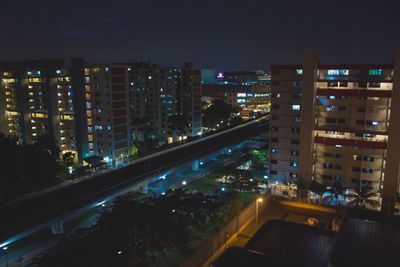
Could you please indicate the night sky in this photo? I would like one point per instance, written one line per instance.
(221, 34)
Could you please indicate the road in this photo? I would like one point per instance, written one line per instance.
(44, 208)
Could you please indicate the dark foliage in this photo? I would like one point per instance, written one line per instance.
(26, 168)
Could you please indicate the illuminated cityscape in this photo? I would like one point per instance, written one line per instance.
(199, 133)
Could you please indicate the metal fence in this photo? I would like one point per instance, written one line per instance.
(219, 239)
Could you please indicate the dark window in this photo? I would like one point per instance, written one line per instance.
(295, 141)
(272, 172)
(294, 152)
(361, 109)
(326, 177)
(342, 121)
(274, 140)
(297, 84)
(362, 84)
(338, 167)
(328, 155)
(374, 85)
(295, 130)
(330, 120)
(356, 169)
(297, 95)
(371, 159)
(274, 129)
(274, 161)
(327, 166)
(296, 119)
(367, 170)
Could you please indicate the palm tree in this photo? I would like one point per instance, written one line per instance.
(363, 197)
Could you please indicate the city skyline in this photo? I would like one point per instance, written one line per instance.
(264, 33)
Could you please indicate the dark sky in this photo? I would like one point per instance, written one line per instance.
(219, 34)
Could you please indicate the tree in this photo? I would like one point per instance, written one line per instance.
(26, 168)
(217, 112)
(363, 197)
(259, 158)
(179, 124)
(68, 158)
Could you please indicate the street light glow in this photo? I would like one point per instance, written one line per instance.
(5, 248)
(260, 200)
(184, 182)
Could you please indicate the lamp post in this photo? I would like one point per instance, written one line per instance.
(258, 201)
(5, 253)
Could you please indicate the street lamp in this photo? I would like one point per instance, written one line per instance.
(5, 253)
(259, 200)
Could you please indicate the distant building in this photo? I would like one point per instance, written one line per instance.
(99, 110)
(109, 109)
(165, 102)
(37, 99)
(336, 124)
(244, 78)
(208, 76)
(251, 97)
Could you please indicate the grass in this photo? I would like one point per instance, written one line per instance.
(206, 184)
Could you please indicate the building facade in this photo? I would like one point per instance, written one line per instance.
(108, 110)
(165, 103)
(334, 124)
(37, 99)
(99, 110)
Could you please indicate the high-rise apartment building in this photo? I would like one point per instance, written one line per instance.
(165, 102)
(336, 124)
(37, 99)
(108, 111)
(99, 110)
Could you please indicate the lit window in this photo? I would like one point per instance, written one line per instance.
(375, 72)
(294, 163)
(274, 150)
(333, 72)
(331, 108)
(295, 107)
(344, 72)
(299, 72)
